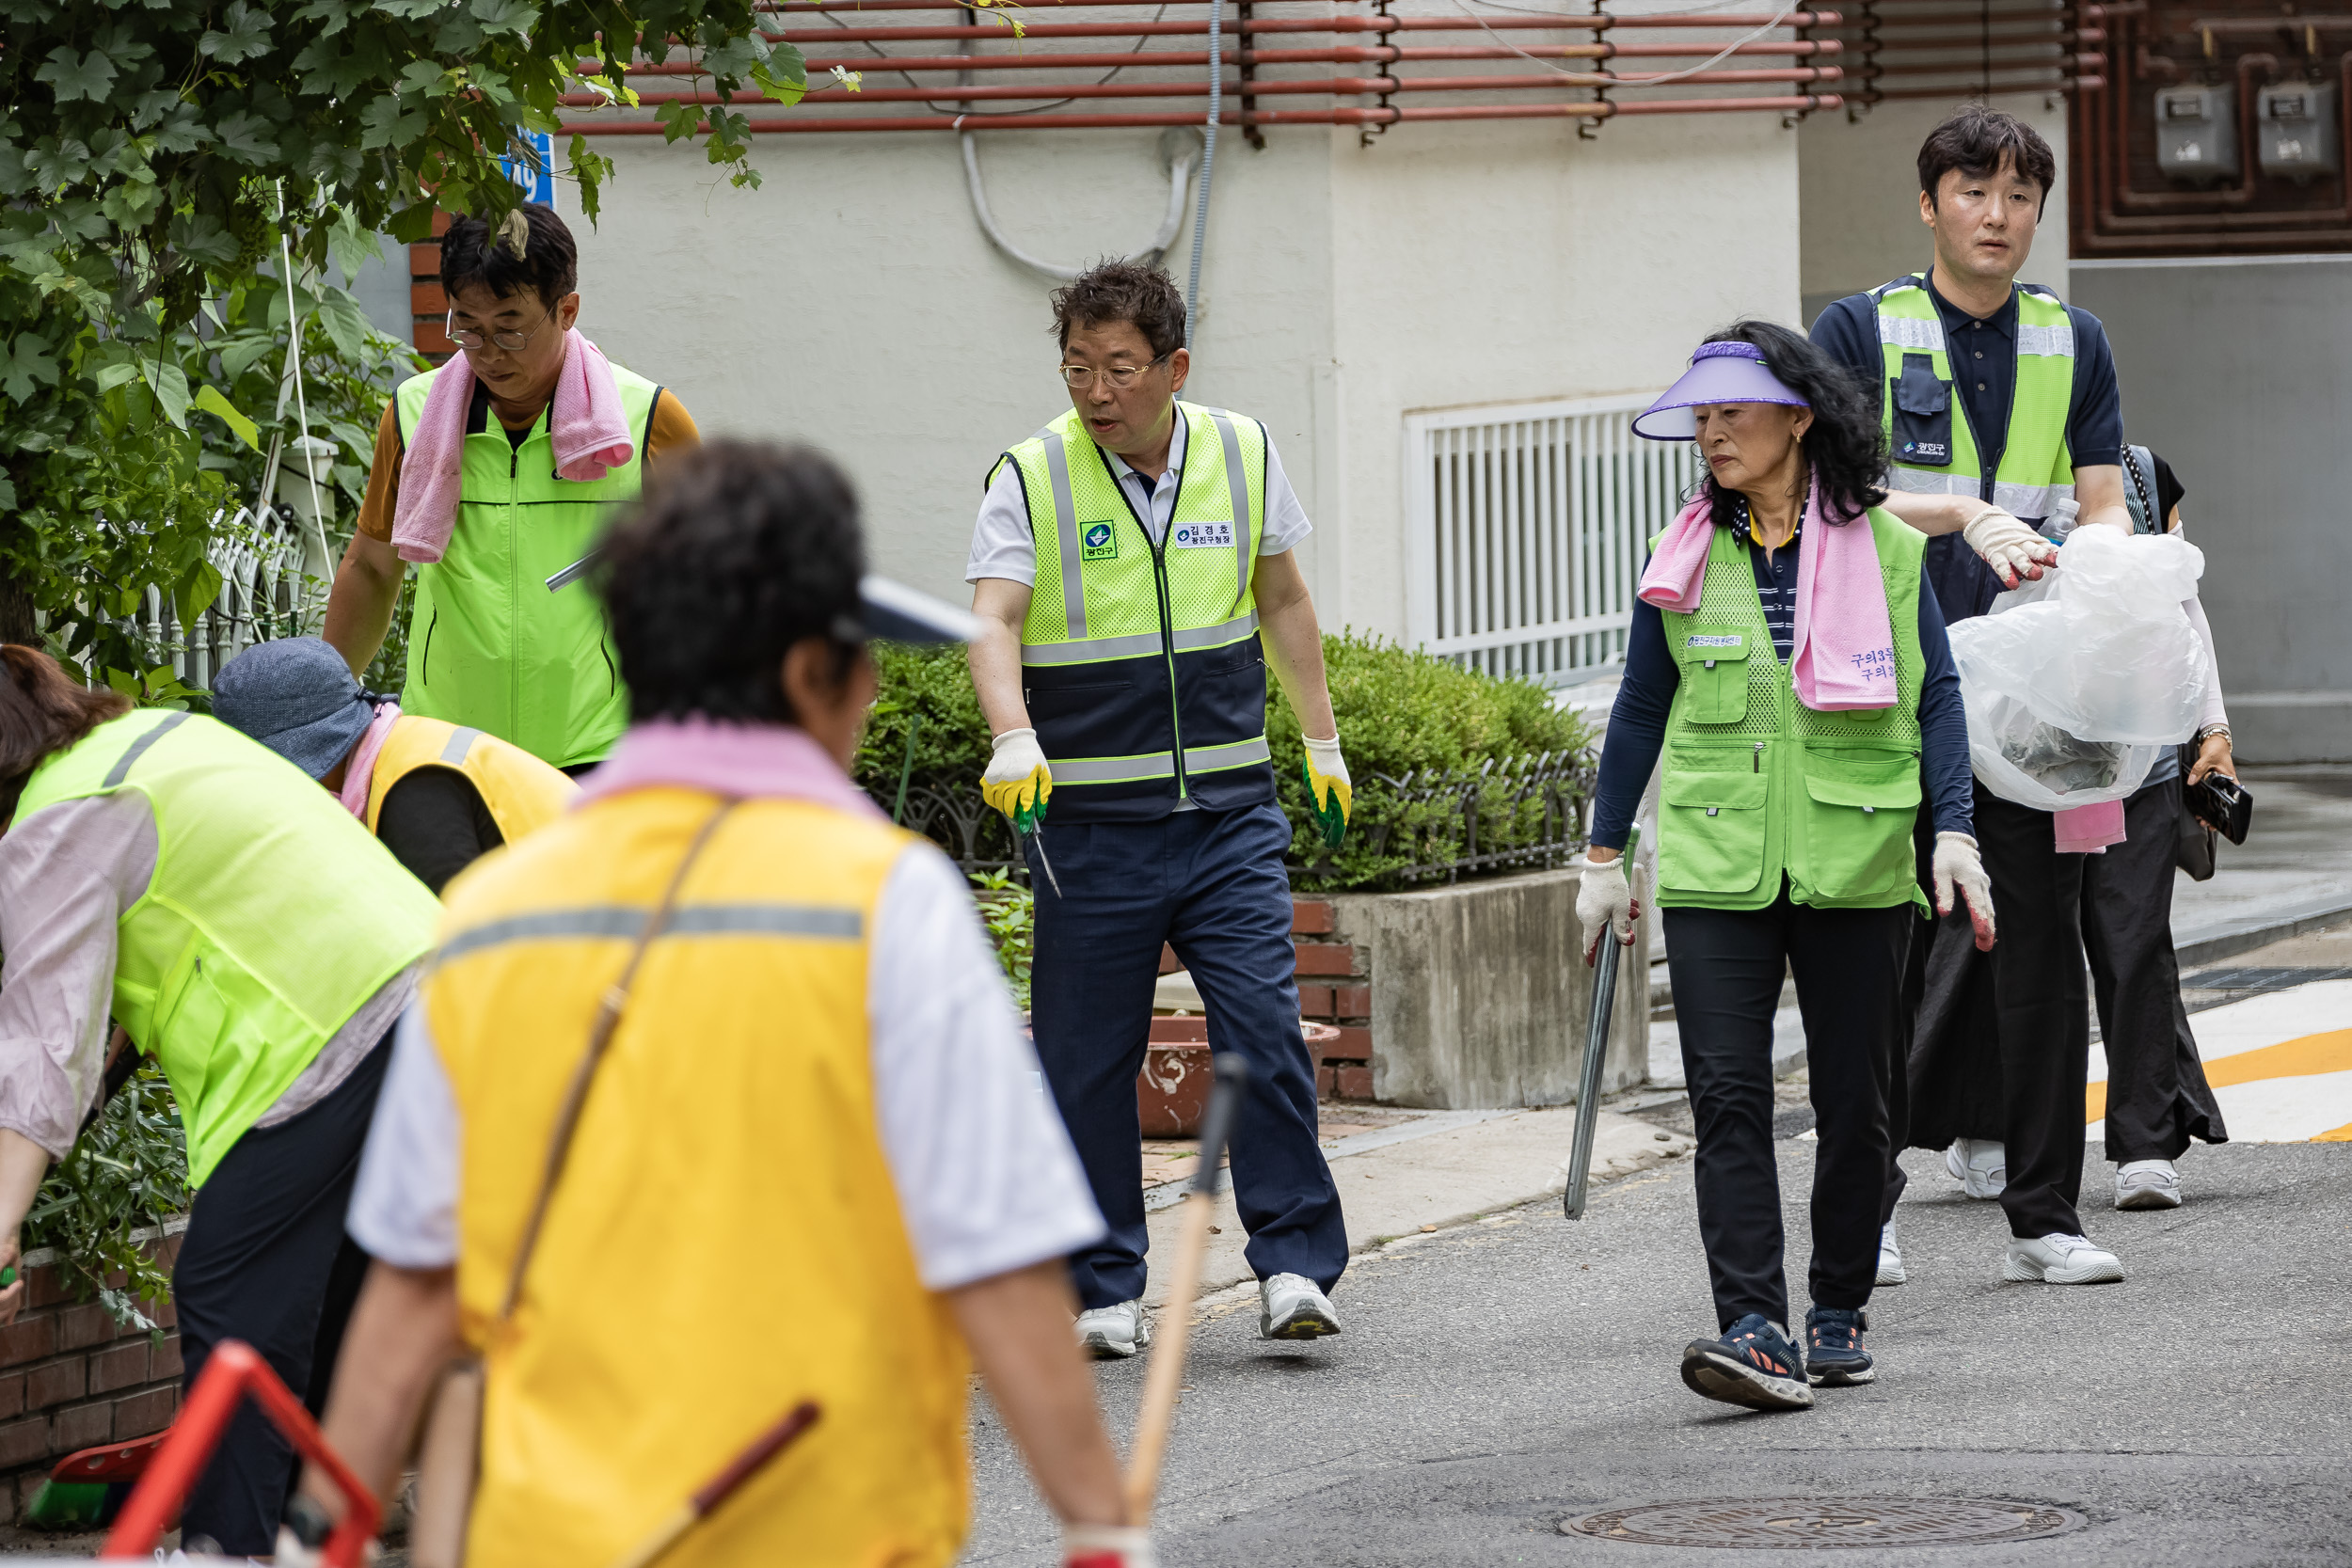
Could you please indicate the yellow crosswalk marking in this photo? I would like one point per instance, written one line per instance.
(2331, 1051)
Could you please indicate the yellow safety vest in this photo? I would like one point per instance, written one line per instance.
(522, 793)
(726, 1241)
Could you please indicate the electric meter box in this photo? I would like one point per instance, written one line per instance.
(2295, 130)
(2196, 132)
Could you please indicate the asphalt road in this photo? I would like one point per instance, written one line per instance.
(1499, 1377)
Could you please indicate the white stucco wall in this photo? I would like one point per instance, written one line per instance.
(1860, 181)
(853, 302)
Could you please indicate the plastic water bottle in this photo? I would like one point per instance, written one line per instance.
(2060, 523)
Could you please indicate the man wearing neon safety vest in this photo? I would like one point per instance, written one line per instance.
(252, 940)
(727, 1011)
(1999, 402)
(438, 795)
(497, 474)
(1134, 575)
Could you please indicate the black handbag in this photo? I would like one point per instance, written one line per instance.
(2194, 850)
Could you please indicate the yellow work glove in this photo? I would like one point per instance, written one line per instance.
(1328, 792)
(1019, 779)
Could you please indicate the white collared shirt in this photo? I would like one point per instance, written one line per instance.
(1002, 547)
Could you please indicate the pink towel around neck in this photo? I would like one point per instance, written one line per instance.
(359, 777)
(584, 420)
(1843, 656)
(2088, 829)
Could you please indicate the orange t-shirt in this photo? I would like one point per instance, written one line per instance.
(671, 429)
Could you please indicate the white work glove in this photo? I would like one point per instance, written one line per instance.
(1956, 861)
(1018, 780)
(2009, 546)
(1107, 1546)
(1605, 901)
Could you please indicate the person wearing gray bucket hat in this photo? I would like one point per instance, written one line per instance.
(438, 795)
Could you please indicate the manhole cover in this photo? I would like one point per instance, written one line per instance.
(1808, 1523)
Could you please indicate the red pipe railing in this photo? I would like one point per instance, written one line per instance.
(1345, 54)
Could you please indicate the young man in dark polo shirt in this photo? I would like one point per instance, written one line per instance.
(1999, 402)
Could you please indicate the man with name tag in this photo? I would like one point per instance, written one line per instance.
(499, 512)
(1134, 575)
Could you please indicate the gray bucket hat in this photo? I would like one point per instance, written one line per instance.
(296, 696)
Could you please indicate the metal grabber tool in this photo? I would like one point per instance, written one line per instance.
(1595, 1053)
(1026, 825)
(1166, 1372)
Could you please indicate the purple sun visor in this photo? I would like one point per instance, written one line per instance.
(1719, 373)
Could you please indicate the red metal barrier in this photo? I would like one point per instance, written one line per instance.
(234, 1371)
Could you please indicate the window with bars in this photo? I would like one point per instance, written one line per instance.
(1526, 529)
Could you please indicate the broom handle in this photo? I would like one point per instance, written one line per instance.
(744, 1465)
(1166, 1377)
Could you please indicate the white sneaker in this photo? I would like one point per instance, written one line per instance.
(1115, 1332)
(1291, 1307)
(1981, 1166)
(2147, 1184)
(1890, 1257)
(2058, 1258)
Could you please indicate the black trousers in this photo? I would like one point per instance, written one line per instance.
(265, 1261)
(2002, 1043)
(1727, 967)
(2157, 1096)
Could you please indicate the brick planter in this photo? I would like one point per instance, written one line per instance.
(1468, 996)
(71, 1378)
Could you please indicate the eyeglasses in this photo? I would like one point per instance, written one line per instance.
(512, 342)
(1080, 377)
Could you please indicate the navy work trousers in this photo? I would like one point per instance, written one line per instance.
(1211, 885)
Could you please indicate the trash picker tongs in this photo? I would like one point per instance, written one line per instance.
(1595, 1053)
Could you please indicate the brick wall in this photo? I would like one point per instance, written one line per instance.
(71, 1378)
(426, 302)
(1334, 986)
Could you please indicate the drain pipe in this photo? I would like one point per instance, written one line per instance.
(1208, 166)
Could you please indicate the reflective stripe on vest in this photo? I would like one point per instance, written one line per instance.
(271, 916)
(1139, 658)
(1756, 785)
(2036, 470)
(742, 1068)
(490, 646)
(521, 793)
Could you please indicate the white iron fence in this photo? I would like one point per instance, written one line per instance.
(273, 571)
(1524, 528)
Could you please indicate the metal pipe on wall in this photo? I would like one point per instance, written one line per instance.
(1351, 54)
(1382, 24)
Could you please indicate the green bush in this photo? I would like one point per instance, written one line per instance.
(127, 1172)
(1403, 716)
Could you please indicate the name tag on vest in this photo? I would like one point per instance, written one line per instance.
(1731, 642)
(1933, 453)
(1202, 536)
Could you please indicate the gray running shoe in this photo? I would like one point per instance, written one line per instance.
(2147, 1184)
(1291, 1306)
(1115, 1332)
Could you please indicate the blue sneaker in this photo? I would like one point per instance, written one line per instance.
(1835, 1356)
(1753, 1364)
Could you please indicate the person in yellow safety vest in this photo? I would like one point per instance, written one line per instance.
(440, 796)
(1999, 402)
(252, 940)
(1133, 571)
(817, 1105)
(496, 511)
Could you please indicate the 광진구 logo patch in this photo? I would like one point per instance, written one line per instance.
(1098, 542)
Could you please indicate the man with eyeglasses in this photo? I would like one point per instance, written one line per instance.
(1134, 575)
(491, 646)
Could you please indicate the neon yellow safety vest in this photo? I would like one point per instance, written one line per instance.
(271, 917)
(1935, 449)
(1142, 662)
(733, 1122)
(522, 793)
(1756, 784)
(490, 646)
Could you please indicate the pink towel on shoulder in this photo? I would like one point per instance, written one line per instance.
(590, 433)
(1843, 656)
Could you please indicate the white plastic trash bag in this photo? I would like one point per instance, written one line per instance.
(2075, 685)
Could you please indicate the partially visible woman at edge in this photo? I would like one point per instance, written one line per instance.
(259, 944)
(1788, 657)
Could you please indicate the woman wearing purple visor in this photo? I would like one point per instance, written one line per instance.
(1788, 660)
